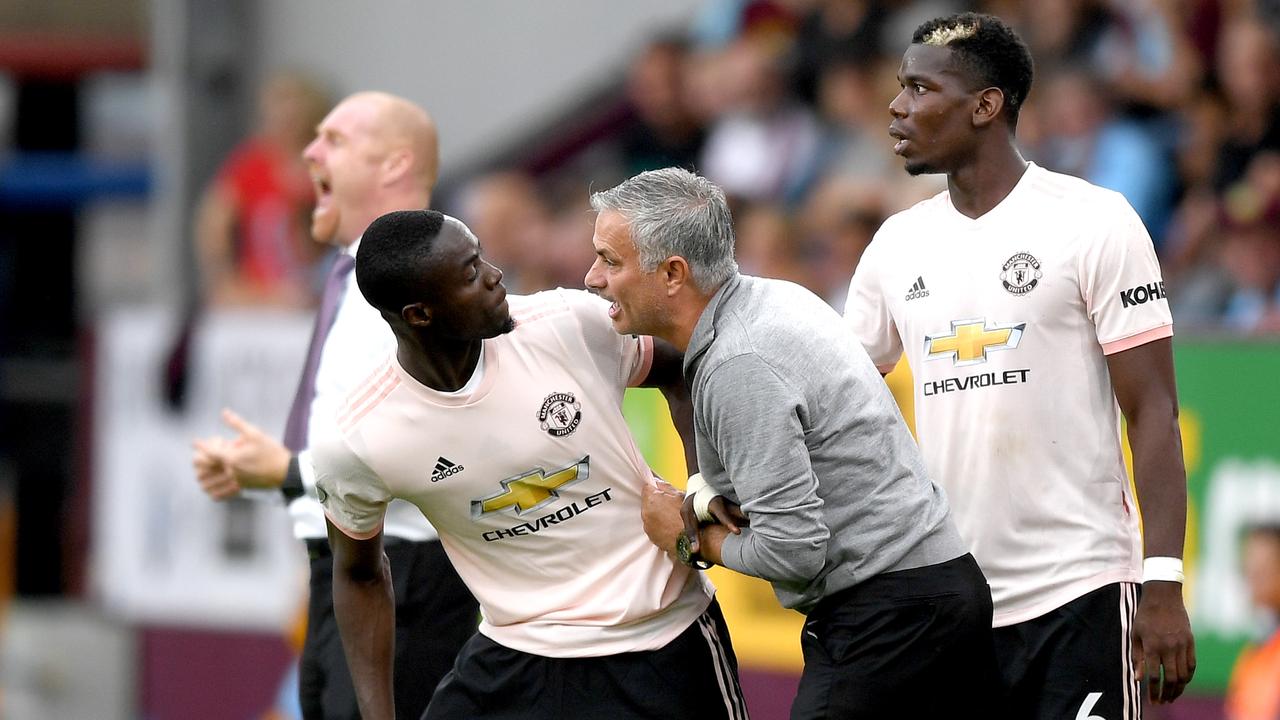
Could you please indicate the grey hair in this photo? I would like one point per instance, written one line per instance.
(674, 212)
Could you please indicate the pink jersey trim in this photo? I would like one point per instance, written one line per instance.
(352, 533)
(547, 308)
(1134, 341)
(366, 388)
(646, 362)
(356, 412)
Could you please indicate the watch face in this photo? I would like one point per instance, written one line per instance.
(683, 552)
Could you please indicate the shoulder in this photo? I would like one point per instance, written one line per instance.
(1074, 197)
(925, 211)
(529, 309)
(768, 318)
(921, 222)
(368, 394)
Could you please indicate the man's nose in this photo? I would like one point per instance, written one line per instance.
(896, 108)
(592, 280)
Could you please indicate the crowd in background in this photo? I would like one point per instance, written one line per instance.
(784, 103)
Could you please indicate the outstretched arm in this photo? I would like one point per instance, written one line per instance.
(1143, 378)
(364, 605)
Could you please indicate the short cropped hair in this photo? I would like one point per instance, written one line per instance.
(989, 50)
(394, 250)
(675, 212)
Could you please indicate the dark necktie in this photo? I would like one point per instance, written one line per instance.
(295, 430)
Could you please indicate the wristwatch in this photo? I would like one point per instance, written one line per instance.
(685, 553)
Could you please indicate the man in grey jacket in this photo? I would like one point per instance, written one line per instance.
(793, 424)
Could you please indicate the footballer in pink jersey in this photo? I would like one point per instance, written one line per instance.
(500, 418)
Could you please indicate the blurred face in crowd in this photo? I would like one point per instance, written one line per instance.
(933, 114)
(654, 86)
(1247, 59)
(345, 159)
(616, 275)
(1262, 568)
(289, 107)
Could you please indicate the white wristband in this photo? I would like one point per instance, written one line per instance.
(702, 494)
(702, 503)
(1167, 569)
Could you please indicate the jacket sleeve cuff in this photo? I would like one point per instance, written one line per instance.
(292, 487)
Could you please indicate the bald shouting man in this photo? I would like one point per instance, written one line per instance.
(374, 153)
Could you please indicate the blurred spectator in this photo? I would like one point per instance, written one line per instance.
(1247, 62)
(251, 225)
(667, 132)
(1145, 55)
(1251, 248)
(568, 251)
(1086, 138)
(837, 224)
(853, 110)
(834, 31)
(765, 244)
(1173, 103)
(765, 147)
(720, 22)
(506, 212)
(1065, 32)
(1254, 691)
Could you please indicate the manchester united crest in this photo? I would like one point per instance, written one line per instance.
(560, 414)
(1021, 273)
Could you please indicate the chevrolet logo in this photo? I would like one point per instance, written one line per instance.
(971, 340)
(531, 490)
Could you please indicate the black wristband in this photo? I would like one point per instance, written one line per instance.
(292, 487)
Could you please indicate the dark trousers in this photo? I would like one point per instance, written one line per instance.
(435, 615)
(1075, 661)
(694, 676)
(908, 644)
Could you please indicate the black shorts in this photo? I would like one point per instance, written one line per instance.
(431, 601)
(907, 644)
(693, 676)
(1073, 662)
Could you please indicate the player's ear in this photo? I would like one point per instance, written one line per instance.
(396, 165)
(675, 274)
(416, 315)
(990, 105)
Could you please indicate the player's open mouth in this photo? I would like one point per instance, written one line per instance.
(901, 145)
(322, 187)
(614, 309)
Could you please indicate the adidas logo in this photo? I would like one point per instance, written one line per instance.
(918, 290)
(445, 468)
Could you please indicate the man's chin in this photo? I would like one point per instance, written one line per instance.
(918, 167)
(501, 328)
(324, 226)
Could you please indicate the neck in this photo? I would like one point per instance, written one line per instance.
(440, 365)
(685, 316)
(979, 185)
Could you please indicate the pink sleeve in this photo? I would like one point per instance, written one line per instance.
(1121, 284)
(643, 361)
(1134, 341)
